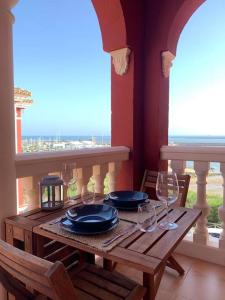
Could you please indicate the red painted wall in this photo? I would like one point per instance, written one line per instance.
(19, 150)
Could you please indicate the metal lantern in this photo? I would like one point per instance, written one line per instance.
(51, 193)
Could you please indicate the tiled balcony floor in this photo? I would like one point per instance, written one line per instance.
(202, 281)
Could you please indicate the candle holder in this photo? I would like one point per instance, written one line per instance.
(51, 193)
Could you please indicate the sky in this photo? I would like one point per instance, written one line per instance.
(197, 78)
(58, 56)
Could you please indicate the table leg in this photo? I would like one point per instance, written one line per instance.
(39, 243)
(148, 283)
(107, 264)
(86, 257)
(152, 282)
(9, 234)
(173, 263)
(90, 258)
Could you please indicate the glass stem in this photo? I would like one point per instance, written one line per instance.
(167, 212)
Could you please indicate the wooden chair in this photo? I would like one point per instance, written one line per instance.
(19, 270)
(149, 186)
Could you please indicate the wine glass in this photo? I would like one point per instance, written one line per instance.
(67, 176)
(87, 197)
(167, 190)
(147, 219)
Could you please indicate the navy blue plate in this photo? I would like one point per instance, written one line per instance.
(130, 208)
(124, 199)
(126, 208)
(92, 217)
(69, 226)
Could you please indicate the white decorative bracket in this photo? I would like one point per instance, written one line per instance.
(120, 59)
(167, 62)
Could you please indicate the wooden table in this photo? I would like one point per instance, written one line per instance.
(146, 252)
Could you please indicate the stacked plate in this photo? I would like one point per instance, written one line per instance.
(90, 219)
(127, 200)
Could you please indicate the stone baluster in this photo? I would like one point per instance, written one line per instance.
(178, 166)
(83, 176)
(114, 168)
(221, 210)
(99, 174)
(201, 232)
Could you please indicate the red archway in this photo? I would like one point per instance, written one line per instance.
(140, 98)
(182, 16)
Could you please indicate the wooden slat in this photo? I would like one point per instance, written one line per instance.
(114, 277)
(83, 296)
(137, 293)
(104, 283)
(27, 272)
(22, 258)
(60, 253)
(133, 259)
(94, 290)
(71, 259)
(28, 280)
(130, 239)
(142, 244)
(14, 287)
(52, 246)
(168, 243)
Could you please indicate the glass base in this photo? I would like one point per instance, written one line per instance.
(148, 228)
(168, 225)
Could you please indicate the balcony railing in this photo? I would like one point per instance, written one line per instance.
(202, 246)
(95, 163)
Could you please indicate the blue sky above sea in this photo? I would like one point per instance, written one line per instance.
(61, 61)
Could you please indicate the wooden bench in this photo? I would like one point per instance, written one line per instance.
(19, 270)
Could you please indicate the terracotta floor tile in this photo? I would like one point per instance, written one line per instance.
(202, 281)
(165, 295)
(201, 287)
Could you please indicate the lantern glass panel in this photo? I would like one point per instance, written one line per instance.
(44, 195)
(51, 193)
(58, 193)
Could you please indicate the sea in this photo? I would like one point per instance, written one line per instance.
(100, 139)
(173, 140)
(106, 139)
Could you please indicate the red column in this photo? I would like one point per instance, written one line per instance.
(18, 130)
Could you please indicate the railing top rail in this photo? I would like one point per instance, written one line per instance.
(194, 153)
(28, 164)
(22, 158)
